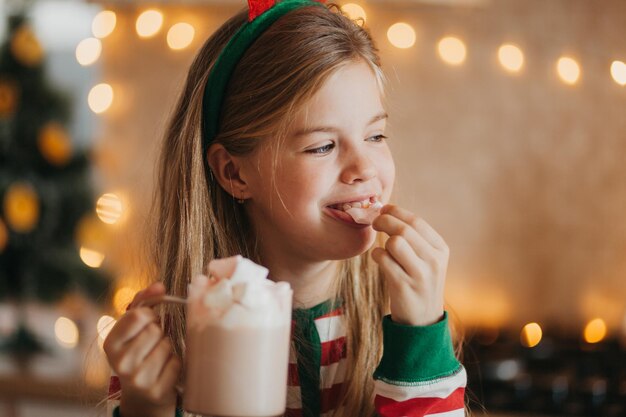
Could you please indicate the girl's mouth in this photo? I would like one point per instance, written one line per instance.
(344, 217)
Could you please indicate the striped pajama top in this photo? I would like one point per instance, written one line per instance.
(418, 375)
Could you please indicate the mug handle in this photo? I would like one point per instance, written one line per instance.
(164, 299)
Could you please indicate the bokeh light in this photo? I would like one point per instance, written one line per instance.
(149, 23)
(401, 35)
(88, 51)
(511, 57)
(618, 72)
(595, 331)
(531, 335)
(100, 98)
(452, 50)
(66, 332)
(354, 11)
(180, 36)
(90, 257)
(568, 70)
(109, 208)
(103, 24)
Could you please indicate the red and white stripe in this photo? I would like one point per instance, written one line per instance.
(442, 397)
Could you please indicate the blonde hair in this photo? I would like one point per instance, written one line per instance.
(195, 220)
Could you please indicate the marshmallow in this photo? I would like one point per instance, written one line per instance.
(365, 215)
(240, 295)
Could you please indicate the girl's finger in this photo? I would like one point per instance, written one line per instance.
(127, 327)
(156, 288)
(155, 362)
(396, 227)
(391, 269)
(139, 347)
(402, 252)
(417, 223)
(171, 371)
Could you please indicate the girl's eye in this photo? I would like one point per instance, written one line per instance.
(322, 149)
(378, 138)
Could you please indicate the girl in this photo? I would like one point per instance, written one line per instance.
(281, 122)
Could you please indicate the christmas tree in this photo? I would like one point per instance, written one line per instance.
(46, 199)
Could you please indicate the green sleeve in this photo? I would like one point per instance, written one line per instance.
(414, 354)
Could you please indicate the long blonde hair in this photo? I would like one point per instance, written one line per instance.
(194, 220)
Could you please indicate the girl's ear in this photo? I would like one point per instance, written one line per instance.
(226, 170)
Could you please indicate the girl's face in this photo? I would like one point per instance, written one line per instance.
(344, 158)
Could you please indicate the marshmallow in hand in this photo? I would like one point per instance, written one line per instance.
(363, 215)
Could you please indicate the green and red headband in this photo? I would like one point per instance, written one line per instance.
(261, 14)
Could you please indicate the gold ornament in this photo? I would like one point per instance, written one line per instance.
(25, 47)
(54, 144)
(8, 97)
(4, 236)
(21, 207)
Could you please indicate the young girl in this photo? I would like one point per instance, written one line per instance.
(273, 134)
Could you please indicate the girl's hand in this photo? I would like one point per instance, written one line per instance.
(414, 262)
(143, 360)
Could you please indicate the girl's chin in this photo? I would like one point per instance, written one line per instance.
(353, 247)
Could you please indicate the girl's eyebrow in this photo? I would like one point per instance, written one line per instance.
(306, 131)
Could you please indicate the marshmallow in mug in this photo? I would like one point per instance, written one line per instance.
(240, 295)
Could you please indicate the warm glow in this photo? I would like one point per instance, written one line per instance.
(109, 208)
(100, 98)
(531, 335)
(104, 326)
(354, 11)
(66, 332)
(149, 23)
(91, 257)
(401, 35)
(595, 331)
(618, 72)
(511, 57)
(88, 51)
(103, 24)
(452, 50)
(21, 207)
(568, 70)
(122, 298)
(180, 36)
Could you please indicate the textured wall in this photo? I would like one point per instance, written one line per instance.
(522, 175)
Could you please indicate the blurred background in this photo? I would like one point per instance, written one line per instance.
(507, 124)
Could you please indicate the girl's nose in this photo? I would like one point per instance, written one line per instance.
(358, 167)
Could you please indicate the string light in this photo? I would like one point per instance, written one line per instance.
(90, 257)
(354, 11)
(66, 332)
(452, 50)
(568, 70)
(88, 51)
(100, 98)
(595, 331)
(511, 57)
(618, 72)
(149, 23)
(103, 24)
(180, 36)
(109, 208)
(531, 335)
(401, 35)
